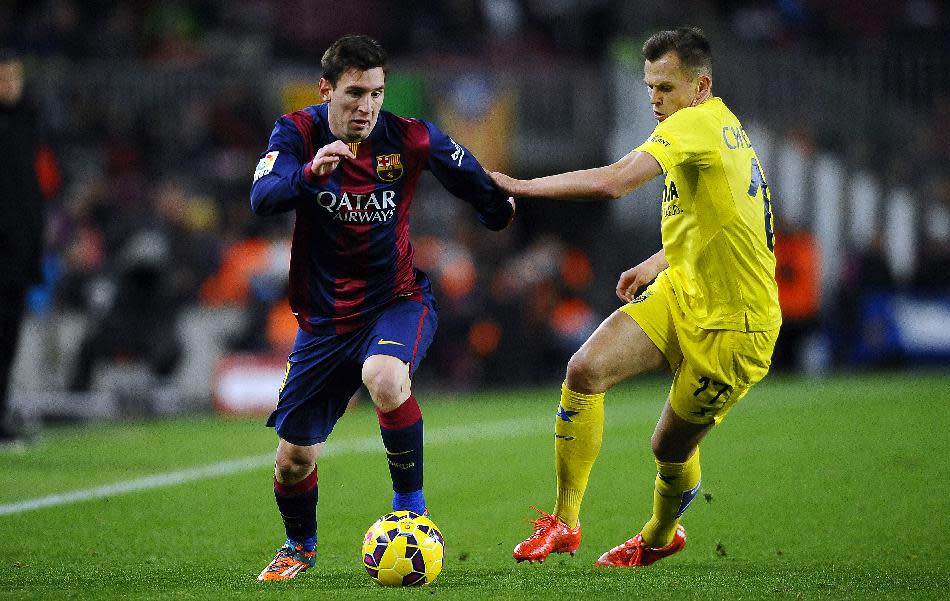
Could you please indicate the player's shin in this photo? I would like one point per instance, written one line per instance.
(578, 434)
(675, 488)
(298, 509)
(401, 430)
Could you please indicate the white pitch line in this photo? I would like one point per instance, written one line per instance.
(223, 468)
(471, 431)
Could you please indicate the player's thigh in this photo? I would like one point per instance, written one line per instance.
(399, 337)
(618, 349)
(639, 337)
(718, 369)
(403, 330)
(655, 311)
(320, 380)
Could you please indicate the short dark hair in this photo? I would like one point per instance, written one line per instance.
(8, 54)
(689, 44)
(352, 52)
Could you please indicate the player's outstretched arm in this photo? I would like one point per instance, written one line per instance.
(641, 275)
(601, 183)
(462, 175)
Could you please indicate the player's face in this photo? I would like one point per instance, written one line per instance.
(671, 86)
(355, 101)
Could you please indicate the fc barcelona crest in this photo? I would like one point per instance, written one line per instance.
(389, 167)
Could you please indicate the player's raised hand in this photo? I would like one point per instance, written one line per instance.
(328, 157)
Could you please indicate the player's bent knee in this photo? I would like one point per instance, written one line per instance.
(389, 398)
(293, 463)
(583, 374)
(383, 387)
(291, 473)
(387, 384)
(291, 469)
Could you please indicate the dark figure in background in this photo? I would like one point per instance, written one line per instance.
(22, 225)
(135, 321)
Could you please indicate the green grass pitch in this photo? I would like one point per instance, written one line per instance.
(825, 489)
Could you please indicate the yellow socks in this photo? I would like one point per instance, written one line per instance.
(676, 487)
(578, 433)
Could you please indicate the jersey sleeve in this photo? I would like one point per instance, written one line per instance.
(462, 175)
(282, 177)
(684, 138)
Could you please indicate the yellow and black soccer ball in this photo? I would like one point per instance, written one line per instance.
(403, 548)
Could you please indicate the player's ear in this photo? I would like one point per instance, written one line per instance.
(705, 83)
(325, 88)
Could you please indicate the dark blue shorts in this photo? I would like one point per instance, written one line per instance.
(323, 372)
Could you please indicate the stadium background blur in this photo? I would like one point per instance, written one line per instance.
(164, 291)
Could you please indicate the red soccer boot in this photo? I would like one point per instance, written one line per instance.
(635, 552)
(551, 535)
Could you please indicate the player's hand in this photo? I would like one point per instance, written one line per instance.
(634, 278)
(508, 185)
(328, 157)
(514, 209)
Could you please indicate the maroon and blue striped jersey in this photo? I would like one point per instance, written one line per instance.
(350, 254)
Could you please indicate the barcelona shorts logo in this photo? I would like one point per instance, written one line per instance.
(389, 167)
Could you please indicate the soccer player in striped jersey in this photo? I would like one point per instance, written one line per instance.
(711, 314)
(365, 314)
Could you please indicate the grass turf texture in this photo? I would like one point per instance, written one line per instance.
(832, 489)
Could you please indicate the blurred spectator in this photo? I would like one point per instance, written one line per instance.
(135, 316)
(866, 272)
(932, 276)
(797, 272)
(28, 174)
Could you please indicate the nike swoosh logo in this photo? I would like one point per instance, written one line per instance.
(562, 437)
(381, 341)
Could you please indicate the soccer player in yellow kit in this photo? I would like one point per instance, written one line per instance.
(711, 314)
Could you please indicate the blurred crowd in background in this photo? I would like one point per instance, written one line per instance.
(156, 113)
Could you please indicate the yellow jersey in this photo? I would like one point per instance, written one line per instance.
(716, 220)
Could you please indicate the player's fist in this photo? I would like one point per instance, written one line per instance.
(328, 157)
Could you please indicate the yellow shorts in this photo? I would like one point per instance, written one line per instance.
(712, 369)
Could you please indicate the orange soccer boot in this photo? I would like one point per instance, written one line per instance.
(635, 552)
(551, 535)
(289, 561)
